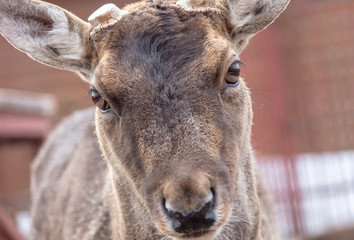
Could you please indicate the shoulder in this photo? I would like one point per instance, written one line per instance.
(75, 130)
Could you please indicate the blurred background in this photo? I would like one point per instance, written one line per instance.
(301, 73)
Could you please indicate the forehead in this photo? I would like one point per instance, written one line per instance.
(167, 37)
(158, 48)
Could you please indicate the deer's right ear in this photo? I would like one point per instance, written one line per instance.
(48, 34)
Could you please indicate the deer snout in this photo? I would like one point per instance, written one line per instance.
(189, 203)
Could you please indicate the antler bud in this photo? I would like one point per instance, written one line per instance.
(197, 5)
(106, 16)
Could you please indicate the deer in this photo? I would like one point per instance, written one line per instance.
(165, 153)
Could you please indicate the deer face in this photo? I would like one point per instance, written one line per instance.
(173, 113)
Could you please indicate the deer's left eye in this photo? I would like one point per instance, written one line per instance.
(233, 74)
(100, 102)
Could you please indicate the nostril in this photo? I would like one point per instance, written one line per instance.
(210, 197)
(200, 218)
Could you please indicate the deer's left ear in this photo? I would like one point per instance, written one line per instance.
(248, 17)
(48, 34)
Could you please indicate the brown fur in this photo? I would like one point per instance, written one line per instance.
(175, 135)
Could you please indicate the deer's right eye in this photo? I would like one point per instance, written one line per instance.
(100, 102)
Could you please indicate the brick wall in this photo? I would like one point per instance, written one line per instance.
(15, 159)
(301, 73)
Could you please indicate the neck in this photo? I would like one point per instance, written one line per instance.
(245, 217)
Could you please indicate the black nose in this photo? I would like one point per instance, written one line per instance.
(193, 221)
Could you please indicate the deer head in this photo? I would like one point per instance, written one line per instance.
(173, 114)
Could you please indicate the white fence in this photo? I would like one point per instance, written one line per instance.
(313, 192)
